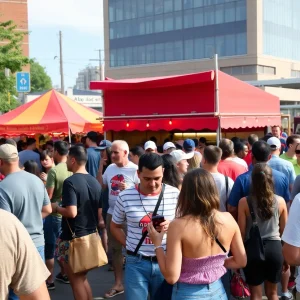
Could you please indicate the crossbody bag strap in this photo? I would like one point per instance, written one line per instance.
(73, 233)
(253, 216)
(154, 214)
(220, 245)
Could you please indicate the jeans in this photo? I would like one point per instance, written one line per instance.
(212, 291)
(142, 277)
(41, 251)
(52, 230)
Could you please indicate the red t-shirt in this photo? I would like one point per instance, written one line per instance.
(248, 158)
(231, 169)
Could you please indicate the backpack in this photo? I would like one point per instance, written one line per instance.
(254, 246)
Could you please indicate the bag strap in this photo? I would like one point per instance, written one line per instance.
(154, 214)
(253, 216)
(220, 245)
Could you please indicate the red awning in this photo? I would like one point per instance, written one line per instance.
(189, 100)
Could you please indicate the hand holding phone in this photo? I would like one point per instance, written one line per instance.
(157, 220)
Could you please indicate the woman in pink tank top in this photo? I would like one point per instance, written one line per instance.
(198, 241)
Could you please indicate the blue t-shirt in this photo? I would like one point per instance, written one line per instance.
(26, 155)
(241, 187)
(93, 161)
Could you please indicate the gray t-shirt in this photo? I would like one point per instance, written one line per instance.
(24, 194)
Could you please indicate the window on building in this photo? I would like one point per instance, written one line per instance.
(149, 7)
(158, 7)
(127, 28)
(198, 17)
(135, 51)
(187, 4)
(229, 45)
(150, 54)
(241, 43)
(188, 19)
(209, 2)
(169, 53)
(149, 25)
(112, 31)
(141, 26)
(227, 70)
(219, 14)
(209, 47)
(209, 15)
(127, 10)
(119, 10)
(295, 73)
(120, 57)
(158, 23)
(168, 6)
(178, 20)
(269, 70)
(168, 22)
(119, 30)
(112, 58)
(128, 56)
(247, 70)
(230, 12)
(112, 16)
(241, 11)
(220, 45)
(178, 50)
(188, 49)
(199, 48)
(237, 70)
(177, 5)
(198, 3)
(141, 55)
(141, 8)
(134, 7)
(159, 53)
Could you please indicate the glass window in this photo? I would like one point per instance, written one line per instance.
(159, 53)
(134, 7)
(112, 12)
(178, 20)
(141, 55)
(249, 70)
(241, 43)
(199, 48)
(134, 27)
(178, 50)
(169, 53)
(220, 1)
(188, 4)
(158, 7)
(128, 56)
(188, 49)
(269, 70)
(260, 69)
(127, 10)
(168, 6)
(112, 58)
(120, 57)
(177, 5)
(230, 12)
(209, 15)
(237, 70)
(209, 2)
(141, 8)
(168, 22)
(220, 45)
(150, 54)
(188, 18)
(134, 55)
(209, 47)
(241, 11)
(229, 44)
(149, 7)
(198, 17)
(141, 26)
(219, 14)
(119, 10)
(227, 70)
(149, 25)
(112, 31)
(119, 30)
(127, 28)
(198, 3)
(158, 23)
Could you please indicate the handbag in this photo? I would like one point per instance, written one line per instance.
(86, 252)
(238, 287)
(254, 245)
(164, 292)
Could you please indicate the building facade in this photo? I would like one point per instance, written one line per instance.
(17, 11)
(86, 76)
(255, 39)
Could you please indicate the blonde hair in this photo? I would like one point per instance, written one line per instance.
(194, 162)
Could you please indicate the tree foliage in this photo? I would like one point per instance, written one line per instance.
(12, 58)
(40, 80)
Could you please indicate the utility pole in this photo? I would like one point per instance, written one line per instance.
(100, 62)
(62, 84)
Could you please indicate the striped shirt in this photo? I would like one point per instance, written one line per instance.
(136, 209)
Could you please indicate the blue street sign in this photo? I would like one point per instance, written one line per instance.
(23, 82)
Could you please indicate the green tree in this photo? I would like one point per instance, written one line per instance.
(12, 58)
(40, 80)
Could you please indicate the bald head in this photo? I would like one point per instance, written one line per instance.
(227, 147)
(122, 145)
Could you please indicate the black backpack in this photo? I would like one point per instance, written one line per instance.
(254, 246)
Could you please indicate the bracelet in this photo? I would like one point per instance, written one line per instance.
(155, 248)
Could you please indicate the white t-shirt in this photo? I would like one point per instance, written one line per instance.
(240, 161)
(291, 234)
(221, 186)
(114, 175)
(137, 210)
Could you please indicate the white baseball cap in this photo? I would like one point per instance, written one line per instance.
(180, 155)
(274, 143)
(150, 145)
(168, 145)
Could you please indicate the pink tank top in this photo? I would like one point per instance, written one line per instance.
(202, 270)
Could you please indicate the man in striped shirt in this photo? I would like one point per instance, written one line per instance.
(136, 206)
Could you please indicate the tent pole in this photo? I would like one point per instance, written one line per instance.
(103, 112)
(217, 98)
(70, 136)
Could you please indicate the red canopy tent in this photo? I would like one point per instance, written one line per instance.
(186, 102)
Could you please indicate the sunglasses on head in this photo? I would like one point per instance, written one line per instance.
(297, 151)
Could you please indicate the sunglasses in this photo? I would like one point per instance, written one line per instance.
(297, 151)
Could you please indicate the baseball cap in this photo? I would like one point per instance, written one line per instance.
(274, 143)
(150, 145)
(168, 145)
(189, 145)
(180, 155)
(8, 151)
(104, 144)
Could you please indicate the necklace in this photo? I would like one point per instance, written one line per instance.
(147, 214)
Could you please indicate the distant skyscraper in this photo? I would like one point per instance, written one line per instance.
(85, 76)
(255, 39)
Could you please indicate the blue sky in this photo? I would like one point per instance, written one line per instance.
(81, 23)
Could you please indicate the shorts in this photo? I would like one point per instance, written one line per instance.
(269, 270)
(52, 230)
(62, 250)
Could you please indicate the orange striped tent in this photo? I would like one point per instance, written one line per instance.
(51, 112)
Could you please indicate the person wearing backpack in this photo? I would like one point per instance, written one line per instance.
(262, 217)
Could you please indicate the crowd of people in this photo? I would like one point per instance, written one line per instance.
(179, 217)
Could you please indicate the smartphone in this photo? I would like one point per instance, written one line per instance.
(157, 220)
